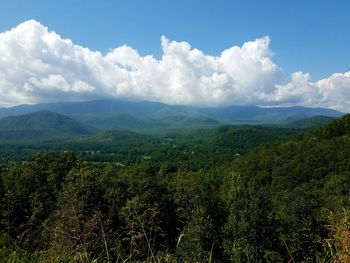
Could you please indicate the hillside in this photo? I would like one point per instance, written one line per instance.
(118, 121)
(309, 123)
(40, 125)
(298, 188)
(126, 121)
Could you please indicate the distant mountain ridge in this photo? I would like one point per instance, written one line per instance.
(154, 114)
(144, 108)
(41, 125)
(268, 115)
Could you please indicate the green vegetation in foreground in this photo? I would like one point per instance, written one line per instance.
(281, 202)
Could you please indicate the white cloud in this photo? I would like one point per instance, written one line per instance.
(333, 92)
(37, 65)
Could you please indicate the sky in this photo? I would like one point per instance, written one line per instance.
(208, 53)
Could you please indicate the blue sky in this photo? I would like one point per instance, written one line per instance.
(312, 36)
(213, 53)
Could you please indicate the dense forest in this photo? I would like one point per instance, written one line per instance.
(227, 194)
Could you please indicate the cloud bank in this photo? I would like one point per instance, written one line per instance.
(37, 65)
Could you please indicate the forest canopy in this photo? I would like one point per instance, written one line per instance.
(263, 195)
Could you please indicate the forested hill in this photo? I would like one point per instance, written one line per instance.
(309, 123)
(292, 192)
(281, 202)
(40, 125)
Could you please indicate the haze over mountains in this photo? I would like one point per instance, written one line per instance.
(72, 119)
(157, 110)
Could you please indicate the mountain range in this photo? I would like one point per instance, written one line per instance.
(157, 110)
(69, 119)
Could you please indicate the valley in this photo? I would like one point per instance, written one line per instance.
(109, 185)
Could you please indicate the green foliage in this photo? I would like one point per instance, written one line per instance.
(288, 187)
(193, 200)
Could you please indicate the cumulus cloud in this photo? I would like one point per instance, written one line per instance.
(332, 92)
(37, 65)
